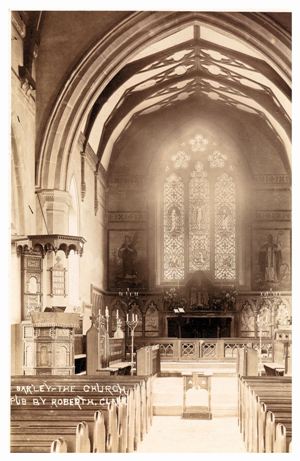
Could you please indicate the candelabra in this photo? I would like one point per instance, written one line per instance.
(131, 321)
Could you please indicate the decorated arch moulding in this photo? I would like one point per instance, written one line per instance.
(113, 51)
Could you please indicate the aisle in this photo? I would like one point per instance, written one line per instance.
(173, 434)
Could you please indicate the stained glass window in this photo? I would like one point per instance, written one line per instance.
(173, 219)
(199, 228)
(217, 159)
(181, 159)
(225, 214)
(199, 212)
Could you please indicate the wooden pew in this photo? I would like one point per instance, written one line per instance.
(59, 446)
(276, 407)
(40, 438)
(257, 396)
(125, 430)
(262, 395)
(144, 383)
(278, 432)
(245, 382)
(34, 417)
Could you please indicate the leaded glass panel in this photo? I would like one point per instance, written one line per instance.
(199, 227)
(173, 218)
(225, 231)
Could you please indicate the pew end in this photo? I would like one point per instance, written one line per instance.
(59, 446)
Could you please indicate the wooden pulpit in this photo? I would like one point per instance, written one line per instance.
(49, 343)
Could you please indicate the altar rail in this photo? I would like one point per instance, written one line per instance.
(174, 349)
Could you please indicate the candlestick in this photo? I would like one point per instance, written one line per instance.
(132, 323)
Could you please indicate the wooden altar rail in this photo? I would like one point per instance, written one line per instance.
(175, 349)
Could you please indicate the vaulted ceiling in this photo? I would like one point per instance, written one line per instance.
(227, 70)
(188, 67)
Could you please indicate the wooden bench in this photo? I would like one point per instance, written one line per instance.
(39, 438)
(123, 431)
(61, 421)
(257, 397)
(115, 418)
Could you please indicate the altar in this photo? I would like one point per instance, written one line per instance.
(200, 326)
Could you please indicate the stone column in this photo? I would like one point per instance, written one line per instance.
(53, 211)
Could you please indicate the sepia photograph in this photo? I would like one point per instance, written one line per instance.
(150, 281)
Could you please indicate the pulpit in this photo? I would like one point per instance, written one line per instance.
(49, 343)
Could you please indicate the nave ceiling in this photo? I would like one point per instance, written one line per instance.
(187, 70)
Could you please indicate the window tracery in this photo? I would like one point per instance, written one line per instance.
(199, 212)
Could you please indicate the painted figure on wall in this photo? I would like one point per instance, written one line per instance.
(127, 259)
(128, 254)
(270, 259)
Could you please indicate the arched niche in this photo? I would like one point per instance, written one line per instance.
(247, 320)
(265, 316)
(152, 320)
(33, 285)
(282, 314)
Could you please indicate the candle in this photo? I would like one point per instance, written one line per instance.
(126, 317)
(106, 311)
(117, 314)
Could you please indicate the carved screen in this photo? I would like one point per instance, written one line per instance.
(173, 222)
(225, 217)
(199, 242)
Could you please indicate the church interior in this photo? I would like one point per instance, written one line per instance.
(151, 303)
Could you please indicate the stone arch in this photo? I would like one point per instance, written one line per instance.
(74, 209)
(17, 190)
(106, 58)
